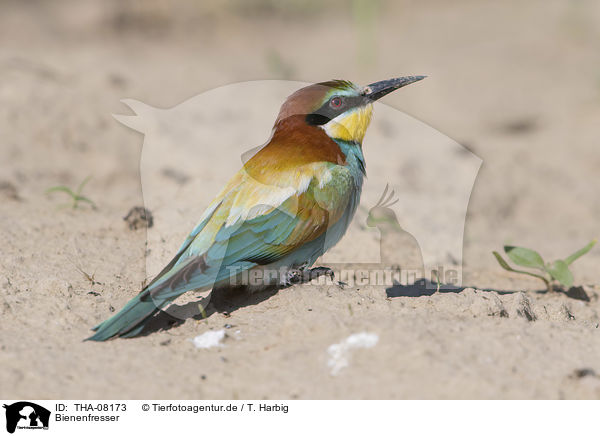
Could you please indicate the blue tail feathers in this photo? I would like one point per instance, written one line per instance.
(130, 320)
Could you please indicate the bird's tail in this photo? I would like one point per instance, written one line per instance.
(130, 320)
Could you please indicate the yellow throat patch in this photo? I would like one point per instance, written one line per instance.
(351, 125)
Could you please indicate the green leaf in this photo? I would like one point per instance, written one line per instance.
(502, 262)
(559, 270)
(573, 257)
(76, 196)
(82, 184)
(60, 189)
(524, 257)
(85, 199)
(507, 267)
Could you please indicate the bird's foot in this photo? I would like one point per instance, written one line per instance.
(299, 276)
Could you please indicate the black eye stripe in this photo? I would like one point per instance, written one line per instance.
(317, 119)
(326, 112)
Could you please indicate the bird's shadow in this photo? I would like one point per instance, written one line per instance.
(223, 301)
(426, 288)
(226, 301)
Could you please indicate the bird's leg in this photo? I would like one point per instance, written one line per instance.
(302, 275)
(293, 275)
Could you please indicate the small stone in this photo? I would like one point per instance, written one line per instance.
(584, 372)
(139, 217)
(209, 339)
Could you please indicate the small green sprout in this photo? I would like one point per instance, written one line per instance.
(437, 279)
(548, 271)
(202, 310)
(75, 196)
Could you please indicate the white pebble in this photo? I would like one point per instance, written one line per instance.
(209, 339)
(339, 354)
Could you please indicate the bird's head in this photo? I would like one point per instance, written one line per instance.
(341, 108)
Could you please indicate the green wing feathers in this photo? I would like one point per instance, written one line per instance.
(248, 224)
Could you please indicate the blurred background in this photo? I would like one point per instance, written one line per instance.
(517, 83)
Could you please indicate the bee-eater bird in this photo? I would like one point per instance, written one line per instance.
(290, 203)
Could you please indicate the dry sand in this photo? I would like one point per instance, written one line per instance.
(515, 82)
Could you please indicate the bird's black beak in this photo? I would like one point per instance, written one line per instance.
(376, 90)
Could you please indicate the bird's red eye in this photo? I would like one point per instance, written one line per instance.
(335, 102)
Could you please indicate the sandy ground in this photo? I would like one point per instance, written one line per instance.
(517, 83)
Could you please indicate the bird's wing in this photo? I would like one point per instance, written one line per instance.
(251, 224)
(208, 213)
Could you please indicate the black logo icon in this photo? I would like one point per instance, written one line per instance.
(26, 415)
